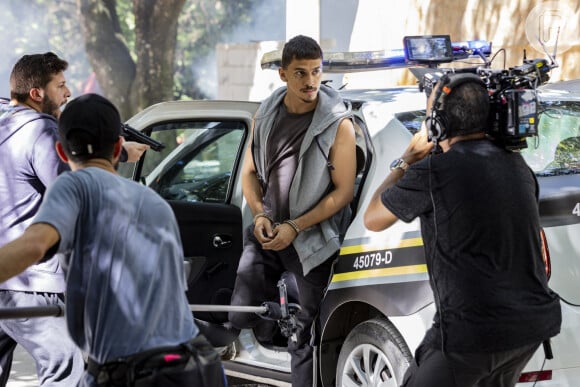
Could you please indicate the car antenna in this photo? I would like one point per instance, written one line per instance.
(552, 56)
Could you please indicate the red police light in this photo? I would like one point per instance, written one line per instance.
(536, 376)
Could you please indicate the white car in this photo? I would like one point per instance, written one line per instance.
(379, 303)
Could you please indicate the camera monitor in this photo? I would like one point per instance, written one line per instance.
(428, 48)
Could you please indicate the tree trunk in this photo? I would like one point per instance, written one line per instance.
(108, 54)
(155, 41)
(132, 85)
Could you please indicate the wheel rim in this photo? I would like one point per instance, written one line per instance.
(368, 366)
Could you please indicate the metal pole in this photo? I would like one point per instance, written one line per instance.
(58, 311)
(31, 311)
(228, 308)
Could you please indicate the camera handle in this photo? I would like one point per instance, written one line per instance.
(287, 322)
(284, 313)
(548, 349)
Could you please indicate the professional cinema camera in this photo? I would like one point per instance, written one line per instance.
(512, 92)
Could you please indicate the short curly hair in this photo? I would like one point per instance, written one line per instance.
(300, 47)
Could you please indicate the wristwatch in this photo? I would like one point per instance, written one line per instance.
(399, 163)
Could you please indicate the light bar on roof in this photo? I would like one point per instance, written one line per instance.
(345, 62)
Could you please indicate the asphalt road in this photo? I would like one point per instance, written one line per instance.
(23, 373)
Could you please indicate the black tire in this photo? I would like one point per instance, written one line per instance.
(375, 342)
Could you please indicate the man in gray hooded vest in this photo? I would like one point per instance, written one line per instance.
(298, 180)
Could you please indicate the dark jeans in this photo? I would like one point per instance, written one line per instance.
(257, 278)
(432, 368)
(58, 360)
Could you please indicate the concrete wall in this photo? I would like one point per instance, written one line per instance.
(363, 25)
(239, 74)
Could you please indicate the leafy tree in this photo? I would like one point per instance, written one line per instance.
(132, 84)
(140, 51)
(37, 26)
(150, 45)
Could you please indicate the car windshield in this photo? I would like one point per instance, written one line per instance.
(556, 150)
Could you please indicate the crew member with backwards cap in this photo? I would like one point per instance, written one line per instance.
(28, 133)
(126, 306)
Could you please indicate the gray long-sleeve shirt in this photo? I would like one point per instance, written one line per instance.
(29, 163)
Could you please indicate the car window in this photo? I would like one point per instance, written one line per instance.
(556, 150)
(197, 162)
(412, 120)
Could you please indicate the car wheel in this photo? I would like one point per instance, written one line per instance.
(373, 354)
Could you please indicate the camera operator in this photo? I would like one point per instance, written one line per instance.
(478, 206)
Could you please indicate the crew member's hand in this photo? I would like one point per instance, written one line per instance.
(419, 147)
(284, 234)
(134, 150)
(263, 230)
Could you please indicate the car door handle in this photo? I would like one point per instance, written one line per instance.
(222, 241)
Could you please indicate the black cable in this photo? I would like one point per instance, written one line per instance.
(433, 255)
(541, 369)
(503, 51)
(568, 302)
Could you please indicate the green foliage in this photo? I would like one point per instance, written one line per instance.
(46, 25)
(43, 25)
(127, 23)
(202, 25)
(66, 39)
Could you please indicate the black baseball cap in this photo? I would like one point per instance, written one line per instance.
(88, 124)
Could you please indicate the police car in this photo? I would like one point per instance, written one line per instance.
(378, 304)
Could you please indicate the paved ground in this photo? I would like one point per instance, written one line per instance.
(23, 373)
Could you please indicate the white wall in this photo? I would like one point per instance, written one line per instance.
(368, 25)
(240, 76)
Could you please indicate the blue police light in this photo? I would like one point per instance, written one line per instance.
(347, 62)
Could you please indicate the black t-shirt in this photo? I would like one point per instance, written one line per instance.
(480, 225)
(283, 147)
